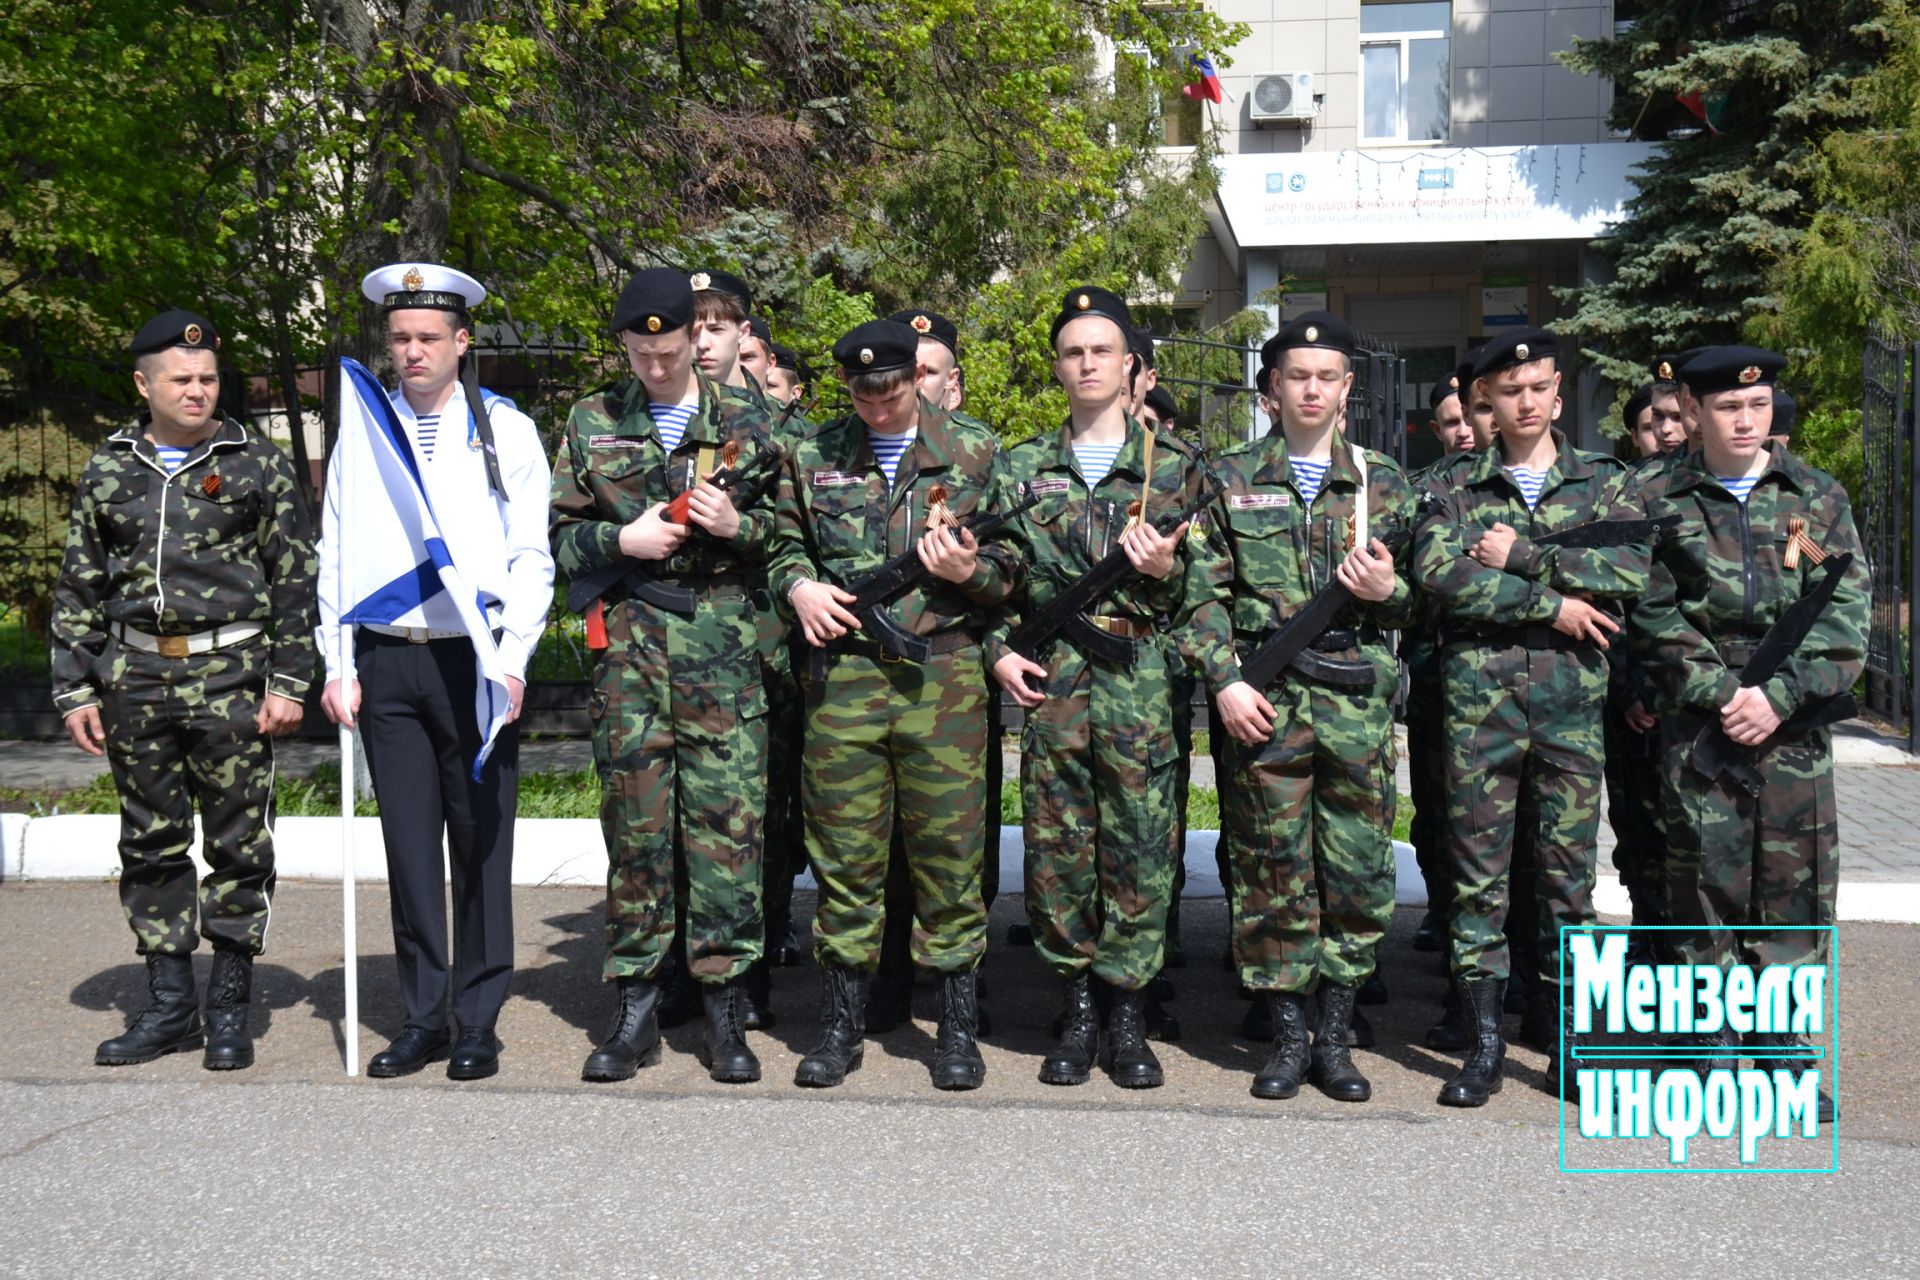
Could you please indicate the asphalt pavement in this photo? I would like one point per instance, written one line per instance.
(292, 1169)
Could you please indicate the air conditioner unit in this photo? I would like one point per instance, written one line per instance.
(1283, 95)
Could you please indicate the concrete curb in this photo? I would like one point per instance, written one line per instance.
(564, 851)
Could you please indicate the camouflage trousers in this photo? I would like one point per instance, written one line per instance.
(1427, 776)
(897, 741)
(679, 712)
(1524, 744)
(1098, 768)
(1737, 861)
(180, 733)
(1311, 812)
(1633, 771)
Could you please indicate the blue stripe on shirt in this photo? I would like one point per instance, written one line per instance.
(1095, 460)
(171, 456)
(1308, 476)
(1738, 486)
(1530, 482)
(888, 449)
(425, 432)
(670, 421)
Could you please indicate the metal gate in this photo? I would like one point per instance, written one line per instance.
(1220, 407)
(1888, 511)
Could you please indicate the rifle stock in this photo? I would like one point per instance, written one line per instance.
(1296, 635)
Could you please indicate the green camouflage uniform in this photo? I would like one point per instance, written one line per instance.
(1718, 583)
(1425, 715)
(679, 703)
(222, 541)
(888, 739)
(1310, 810)
(1099, 759)
(1523, 701)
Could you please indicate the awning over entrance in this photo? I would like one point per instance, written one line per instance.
(1426, 195)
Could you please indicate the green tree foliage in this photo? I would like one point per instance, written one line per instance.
(1717, 206)
(1859, 260)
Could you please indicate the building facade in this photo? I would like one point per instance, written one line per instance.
(1424, 168)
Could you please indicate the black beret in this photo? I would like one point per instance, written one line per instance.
(1091, 300)
(784, 357)
(1140, 342)
(175, 329)
(1730, 369)
(930, 324)
(1636, 404)
(1785, 414)
(1163, 404)
(1516, 347)
(723, 282)
(758, 328)
(1447, 386)
(877, 347)
(1317, 329)
(656, 300)
(1667, 366)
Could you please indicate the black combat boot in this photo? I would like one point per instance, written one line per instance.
(1722, 1048)
(1765, 1048)
(1162, 1025)
(842, 1031)
(229, 989)
(634, 1041)
(1257, 1023)
(1431, 934)
(679, 993)
(1130, 1058)
(169, 1025)
(1479, 1077)
(756, 997)
(783, 950)
(723, 1047)
(1071, 1061)
(1540, 1024)
(957, 1063)
(1281, 1077)
(1333, 1071)
(1374, 989)
(1451, 1034)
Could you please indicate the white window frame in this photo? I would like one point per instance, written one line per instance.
(1403, 39)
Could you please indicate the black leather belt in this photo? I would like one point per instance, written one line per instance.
(940, 642)
(1341, 639)
(720, 586)
(1536, 636)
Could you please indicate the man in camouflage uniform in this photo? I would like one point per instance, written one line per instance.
(1463, 422)
(1755, 525)
(182, 644)
(1309, 795)
(1525, 675)
(679, 702)
(889, 739)
(1098, 753)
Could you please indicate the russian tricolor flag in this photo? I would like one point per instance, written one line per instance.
(1208, 85)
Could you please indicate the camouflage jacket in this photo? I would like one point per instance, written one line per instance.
(836, 519)
(1719, 581)
(1420, 642)
(222, 540)
(1281, 550)
(1073, 526)
(1579, 488)
(612, 466)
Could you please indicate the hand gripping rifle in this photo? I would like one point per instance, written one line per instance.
(1715, 755)
(874, 590)
(1291, 645)
(1066, 613)
(638, 579)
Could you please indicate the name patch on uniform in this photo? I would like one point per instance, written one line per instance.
(836, 479)
(612, 442)
(1253, 501)
(1041, 488)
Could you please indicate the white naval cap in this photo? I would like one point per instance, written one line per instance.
(402, 285)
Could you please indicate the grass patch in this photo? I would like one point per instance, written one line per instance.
(23, 652)
(1203, 807)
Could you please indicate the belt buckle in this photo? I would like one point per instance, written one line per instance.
(416, 635)
(172, 646)
(888, 655)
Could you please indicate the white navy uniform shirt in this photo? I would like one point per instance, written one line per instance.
(500, 546)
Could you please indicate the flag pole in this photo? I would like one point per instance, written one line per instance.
(350, 948)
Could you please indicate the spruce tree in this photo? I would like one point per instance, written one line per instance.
(1738, 95)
